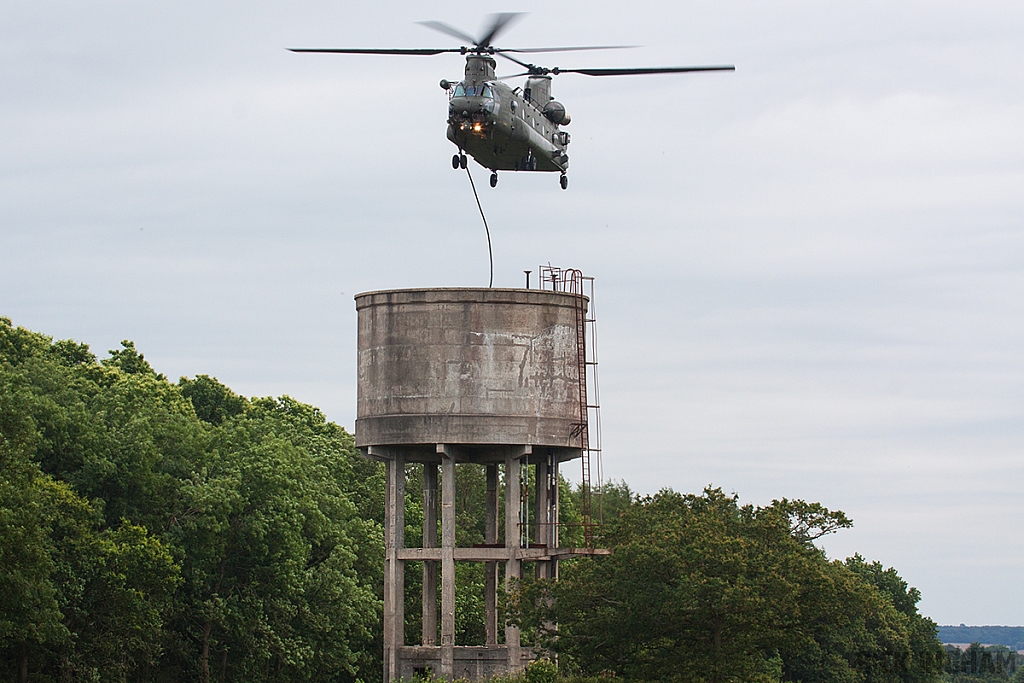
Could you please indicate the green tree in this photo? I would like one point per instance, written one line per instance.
(115, 585)
(276, 589)
(129, 361)
(213, 402)
(169, 532)
(30, 615)
(926, 656)
(85, 597)
(701, 588)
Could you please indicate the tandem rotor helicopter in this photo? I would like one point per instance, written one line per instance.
(505, 128)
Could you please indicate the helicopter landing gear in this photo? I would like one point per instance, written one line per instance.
(462, 161)
(494, 178)
(459, 161)
(564, 181)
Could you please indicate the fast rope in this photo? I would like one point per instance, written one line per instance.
(490, 255)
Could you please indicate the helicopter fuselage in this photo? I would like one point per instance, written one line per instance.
(501, 127)
(505, 128)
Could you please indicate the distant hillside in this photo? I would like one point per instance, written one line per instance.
(1010, 636)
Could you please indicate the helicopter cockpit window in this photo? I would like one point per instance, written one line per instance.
(473, 91)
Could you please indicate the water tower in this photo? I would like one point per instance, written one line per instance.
(493, 377)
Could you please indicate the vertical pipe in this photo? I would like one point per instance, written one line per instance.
(429, 541)
(448, 565)
(491, 568)
(394, 579)
(513, 565)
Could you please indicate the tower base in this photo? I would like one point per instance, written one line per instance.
(473, 663)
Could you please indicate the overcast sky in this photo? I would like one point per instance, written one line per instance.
(809, 272)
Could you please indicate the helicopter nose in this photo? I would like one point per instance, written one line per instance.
(467, 106)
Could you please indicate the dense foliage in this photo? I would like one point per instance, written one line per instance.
(160, 531)
(153, 531)
(701, 588)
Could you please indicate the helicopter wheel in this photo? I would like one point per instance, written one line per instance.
(564, 181)
(494, 179)
(455, 162)
(462, 161)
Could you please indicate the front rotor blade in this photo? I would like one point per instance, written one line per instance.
(375, 51)
(529, 50)
(634, 72)
(499, 22)
(501, 53)
(448, 30)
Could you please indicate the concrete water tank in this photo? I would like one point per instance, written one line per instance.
(468, 366)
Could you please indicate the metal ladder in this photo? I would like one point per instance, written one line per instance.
(588, 429)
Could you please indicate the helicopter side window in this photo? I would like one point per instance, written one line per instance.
(486, 92)
(460, 91)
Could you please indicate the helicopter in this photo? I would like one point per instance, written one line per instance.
(507, 128)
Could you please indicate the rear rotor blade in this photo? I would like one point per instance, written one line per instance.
(639, 71)
(531, 50)
(448, 30)
(499, 23)
(375, 51)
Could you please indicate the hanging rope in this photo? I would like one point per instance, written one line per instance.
(490, 255)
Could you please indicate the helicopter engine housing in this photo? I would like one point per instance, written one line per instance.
(538, 90)
(555, 112)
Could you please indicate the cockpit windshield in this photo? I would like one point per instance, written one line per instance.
(484, 90)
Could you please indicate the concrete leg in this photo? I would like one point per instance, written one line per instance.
(547, 517)
(513, 566)
(491, 568)
(429, 566)
(394, 569)
(555, 502)
(448, 566)
(542, 514)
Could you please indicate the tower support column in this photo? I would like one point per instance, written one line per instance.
(429, 566)
(513, 565)
(544, 522)
(447, 563)
(394, 569)
(555, 512)
(491, 568)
